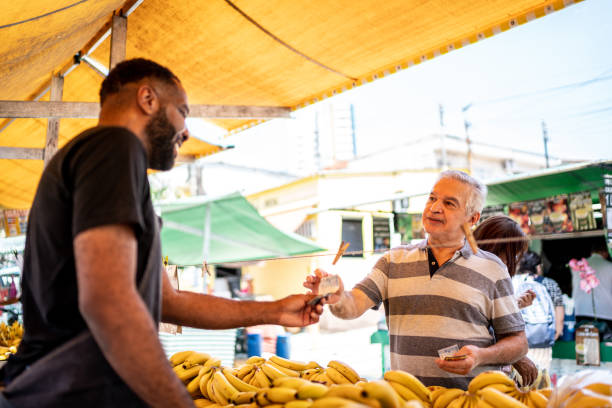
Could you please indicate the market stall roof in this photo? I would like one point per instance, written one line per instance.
(235, 232)
(273, 53)
(550, 182)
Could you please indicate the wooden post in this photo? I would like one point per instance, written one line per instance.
(118, 40)
(57, 90)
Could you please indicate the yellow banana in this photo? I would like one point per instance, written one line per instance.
(202, 402)
(447, 397)
(271, 372)
(585, 398)
(383, 392)
(298, 404)
(313, 364)
(536, 399)
(260, 398)
(223, 386)
(345, 370)
(352, 392)
(336, 376)
(336, 402)
(212, 362)
(312, 391)
(599, 388)
(261, 378)
(249, 377)
(436, 393)
(410, 381)
(243, 370)
(280, 395)
(193, 388)
(237, 382)
(290, 364)
(322, 378)
(287, 371)
(246, 397)
(546, 382)
(546, 392)
(511, 390)
(498, 399)
(309, 372)
(178, 358)
(488, 378)
(257, 360)
(187, 375)
(195, 359)
(457, 402)
(213, 395)
(403, 391)
(204, 379)
(290, 382)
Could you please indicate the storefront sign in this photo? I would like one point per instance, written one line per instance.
(606, 208)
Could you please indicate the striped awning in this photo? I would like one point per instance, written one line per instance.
(272, 53)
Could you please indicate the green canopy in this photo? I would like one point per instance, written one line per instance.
(233, 229)
(550, 182)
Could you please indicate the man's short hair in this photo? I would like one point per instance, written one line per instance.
(478, 191)
(133, 70)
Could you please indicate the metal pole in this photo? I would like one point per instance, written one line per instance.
(545, 137)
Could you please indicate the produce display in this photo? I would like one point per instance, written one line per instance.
(10, 337)
(278, 382)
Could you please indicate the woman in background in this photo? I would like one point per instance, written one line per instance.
(510, 253)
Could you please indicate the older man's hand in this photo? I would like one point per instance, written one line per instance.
(464, 366)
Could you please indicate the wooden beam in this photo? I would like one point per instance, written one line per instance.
(238, 112)
(118, 40)
(39, 109)
(57, 91)
(21, 153)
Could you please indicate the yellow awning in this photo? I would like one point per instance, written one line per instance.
(238, 52)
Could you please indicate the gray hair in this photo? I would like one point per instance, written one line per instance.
(478, 191)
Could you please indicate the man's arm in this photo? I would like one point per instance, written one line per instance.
(509, 348)
(212, 312)
(351, 305)
(118, 318)
(559, 318)
(343, 304)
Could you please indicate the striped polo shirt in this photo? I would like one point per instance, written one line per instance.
(466, 297)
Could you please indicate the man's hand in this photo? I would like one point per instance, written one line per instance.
(312, 283)
(296, 312)
(462, 367)
(526, 299)
(527, 370)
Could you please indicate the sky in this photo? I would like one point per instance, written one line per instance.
(556, 69)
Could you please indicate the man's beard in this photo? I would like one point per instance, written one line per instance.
(161, 134)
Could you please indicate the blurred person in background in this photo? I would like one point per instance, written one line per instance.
(532, 263)
(495, 229)
(583, 302)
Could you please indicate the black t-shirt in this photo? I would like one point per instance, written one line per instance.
(98, 178)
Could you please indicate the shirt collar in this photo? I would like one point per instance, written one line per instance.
(465, 251)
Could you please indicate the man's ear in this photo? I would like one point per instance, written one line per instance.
(474, 218)
(147, 99)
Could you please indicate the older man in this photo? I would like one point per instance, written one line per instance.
(93, 287)
(439, 294)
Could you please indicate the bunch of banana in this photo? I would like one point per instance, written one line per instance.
(501, 382)
(10, 335)
(444, 397)
(492, 397)
(341, 373)
(407, 386)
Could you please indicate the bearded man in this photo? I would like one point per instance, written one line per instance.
(93, 286)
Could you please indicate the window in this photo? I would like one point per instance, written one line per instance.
(381, 233)
(352, 232)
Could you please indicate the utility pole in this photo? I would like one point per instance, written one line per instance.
(467, 125)
(545, 137)
(443, 164)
